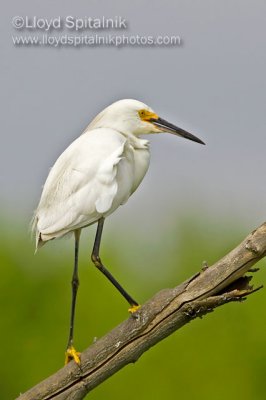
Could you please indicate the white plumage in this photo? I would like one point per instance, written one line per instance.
(96, 174)
(92, 177)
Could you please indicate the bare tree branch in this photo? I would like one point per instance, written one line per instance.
(166, 312)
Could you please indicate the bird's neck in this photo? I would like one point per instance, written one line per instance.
(135, 141)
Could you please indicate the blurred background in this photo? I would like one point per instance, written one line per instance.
(196, 202)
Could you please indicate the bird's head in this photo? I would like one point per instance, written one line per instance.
(134, 117)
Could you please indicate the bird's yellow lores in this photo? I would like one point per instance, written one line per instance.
(97, 173)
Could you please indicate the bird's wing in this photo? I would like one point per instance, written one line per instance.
(82, 184)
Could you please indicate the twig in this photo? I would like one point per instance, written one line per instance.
(166, 312)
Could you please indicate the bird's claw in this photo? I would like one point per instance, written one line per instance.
(72, 354)
(134, 308)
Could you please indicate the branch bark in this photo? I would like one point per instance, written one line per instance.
(167, 311)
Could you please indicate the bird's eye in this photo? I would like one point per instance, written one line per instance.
(146, 115)
(142, 114)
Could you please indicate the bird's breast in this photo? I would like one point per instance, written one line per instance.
(132, 168)
(141, 165)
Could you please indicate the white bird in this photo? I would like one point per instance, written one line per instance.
(97, 173)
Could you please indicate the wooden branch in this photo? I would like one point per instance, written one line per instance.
(166, 312)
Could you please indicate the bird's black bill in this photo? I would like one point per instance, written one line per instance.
(168, 127)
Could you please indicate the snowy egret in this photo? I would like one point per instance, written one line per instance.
(98, 172)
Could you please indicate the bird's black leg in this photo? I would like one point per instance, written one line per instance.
(71, 353)
(98, 263)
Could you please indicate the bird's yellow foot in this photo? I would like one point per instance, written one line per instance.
(72, 354)
(134, 308)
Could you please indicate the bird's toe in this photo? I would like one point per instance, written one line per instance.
(72, 354)
(134, 308)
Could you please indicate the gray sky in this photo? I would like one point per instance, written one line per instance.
(213, 85)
